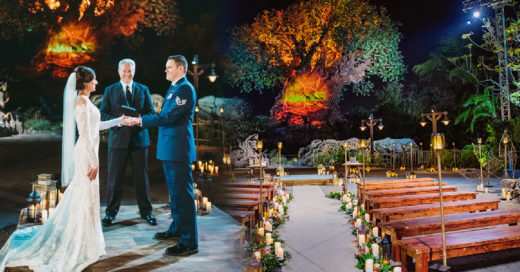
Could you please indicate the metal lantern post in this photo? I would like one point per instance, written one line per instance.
(438, 142)
(371, 122)
(280, 168)
(363, 146)
(434, 116)
(345, 189)
(393, 157)
(412, 174)
(221, 110)
(479, 141)
(259, 146)
(505, 141)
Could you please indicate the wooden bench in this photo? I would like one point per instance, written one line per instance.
(268, 187)
(231, 196)
(240, 205)
(243, 217)
(398, 213)
(457, 221)
(250, 191)
(463, 243)
(383, 184)
(408, 191)
(409, 200)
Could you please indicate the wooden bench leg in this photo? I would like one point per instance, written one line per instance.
(406, 261)
(421, 263)
(396, 251)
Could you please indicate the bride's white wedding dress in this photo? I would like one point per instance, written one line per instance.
(72, 238)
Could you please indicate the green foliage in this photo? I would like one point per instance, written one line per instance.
(35, 121)
(478, 106)
(335, 195)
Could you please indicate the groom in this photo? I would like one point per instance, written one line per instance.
(127, 143)
(176, 148)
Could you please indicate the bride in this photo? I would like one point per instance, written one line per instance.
(72, 238)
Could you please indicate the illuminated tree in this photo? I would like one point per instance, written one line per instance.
(311, 51)
(79, 30)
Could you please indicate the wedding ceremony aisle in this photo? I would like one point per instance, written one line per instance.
(317, 235)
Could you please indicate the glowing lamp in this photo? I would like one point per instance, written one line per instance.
(479, 140)
(195, 60)
(393, 144)
(259, 145)
(446, 121)
(196, 108)
(363, 144)
(212, 75)
(221, 109)
(380, 125)
(438, 141)
(476, 14)
(362, 127)
(505, 140)
(423, 122)
(280, 145)
(411, 144)
(345, 145)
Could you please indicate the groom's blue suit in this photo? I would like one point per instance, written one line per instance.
(176, 148)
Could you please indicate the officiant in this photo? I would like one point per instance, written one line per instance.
(127, 143)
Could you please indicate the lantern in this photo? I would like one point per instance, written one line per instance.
(445, 120)
(386, 245)
(363, 144)
(33, 202)
(363, 127)
(380, 125)
(438, 141)
(423, 122)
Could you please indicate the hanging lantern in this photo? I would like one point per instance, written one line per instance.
(445, 120)
(423, 122)
(380, 125)
(33, 202)
(363, 127)
(363, 144)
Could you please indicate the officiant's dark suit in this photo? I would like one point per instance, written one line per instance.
(127, 143)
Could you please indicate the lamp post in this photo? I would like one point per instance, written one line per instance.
(221, 110)
(363, 146)
(259, 146)
(197, 131)
(454, 158)
(280, 168)
(393, 157)
(505, 141)
(479, 141)
(345, 189)
(438, 143)
(371, 122)
(412, 174)
(434, 116)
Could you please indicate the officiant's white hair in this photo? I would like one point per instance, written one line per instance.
(126, 61)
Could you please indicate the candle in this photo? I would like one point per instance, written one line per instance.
(503, 192)
(375, 250)
(277, 245)
(268, 227)
(44, 216)
(60, 196)
(51, 211)
(216, 169)
(361, 240)
(362, 207)
(397, 269)
(193, 167)
(354, 213)
(486, 190)
(349, 206)
(204, 201)
(355, 201)
(367, 217)
(268, 235)
(269, 241)
(279, 253)
(30, 211)
(375, 231)
(208, 207)
(196, 205)
(258, 255)
(261, 232)
(508, 195)
(369, 265)
(281, 210)
(358, 223)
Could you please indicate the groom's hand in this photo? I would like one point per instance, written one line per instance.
(131, 121)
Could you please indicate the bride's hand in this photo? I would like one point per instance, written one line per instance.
(92, 173)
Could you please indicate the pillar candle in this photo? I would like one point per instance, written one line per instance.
(362, 207)
(268, 235)
(281, 210)
(44, 216)
(204, 201)
(375, 250)
(269, 241)
(397, 269)
(486, 190)
(355, 201)
(216, 169)
(361, 240)
(367, 217)
(279, 253)
(277, 245)
(208, 207)
(268, 227)
(258, 255)
(375, 231)
(51, 211)
(261, 232)
(369, 265)
(504, 192)
(354, 213)
(349, 206)
(508, 195)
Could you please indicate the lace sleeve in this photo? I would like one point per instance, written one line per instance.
(84, 127)
(110, 123)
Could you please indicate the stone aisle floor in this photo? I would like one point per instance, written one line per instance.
(317, 234)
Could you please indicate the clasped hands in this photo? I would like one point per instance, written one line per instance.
(131, 121)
